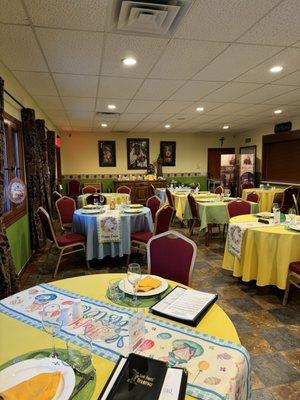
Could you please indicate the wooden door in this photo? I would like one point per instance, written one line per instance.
(214, 161)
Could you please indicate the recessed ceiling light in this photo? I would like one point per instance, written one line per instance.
(277, 111)
(199, 109)
(111, 106)
(226, 126)
(104, 125)
(276, 68)
(167, 126)
(129, 61)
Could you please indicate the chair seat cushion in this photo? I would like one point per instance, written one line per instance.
(295, 267)
(142, 236)
(70, 238)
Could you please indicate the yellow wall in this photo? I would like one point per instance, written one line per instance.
(79, 151)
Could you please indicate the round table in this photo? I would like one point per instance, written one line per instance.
(266, 253)
(117, 197)
(266, 197)
(86, 224)
(17, 338)
(181, 202)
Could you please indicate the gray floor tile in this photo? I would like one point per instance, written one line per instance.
(261, 394)
(240, 323)
(244, 304)
(287, 315)
(280, 338)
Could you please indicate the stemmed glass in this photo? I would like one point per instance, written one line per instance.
(52, 322)
(292, 215)
(134, 275)
(96, 201)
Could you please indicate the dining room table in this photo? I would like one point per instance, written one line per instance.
(118, 198)
(128, 220)
(259, 251)
(266, 196)
(22, 332)
(181, 201)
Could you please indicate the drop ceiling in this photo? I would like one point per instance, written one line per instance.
(65, 55)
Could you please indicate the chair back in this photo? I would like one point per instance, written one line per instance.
(296, 204)
(55, 196)
(193, 206)
(46, 224)
(170, 198)
(152, 190)
(247, 185)
(238, 207)
(101, 199)
(252, 196)
(73, 188)
(124, 189)
(154, 204)
(65, 208)
(89, 189)
(163, 219)
(172, 256)
(288, 201)
(219, 190)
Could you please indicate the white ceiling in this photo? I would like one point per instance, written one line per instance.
(219, 58)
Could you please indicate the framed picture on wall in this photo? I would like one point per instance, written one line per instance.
(107, 153)
(168, 153)
(137, 153)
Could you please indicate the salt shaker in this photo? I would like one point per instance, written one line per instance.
(65, 315)
(77, 309)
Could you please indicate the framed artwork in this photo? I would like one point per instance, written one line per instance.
(137, 153)
(168, 153)
(247, 164)
(107, 153)
(248, 150)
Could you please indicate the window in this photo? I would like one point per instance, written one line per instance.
(13, 166)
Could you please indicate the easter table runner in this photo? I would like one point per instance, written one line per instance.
(108, 227)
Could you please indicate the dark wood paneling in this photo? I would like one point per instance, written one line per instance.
(214, 161)
(140, 189)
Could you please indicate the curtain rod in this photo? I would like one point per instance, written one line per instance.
(17, 101)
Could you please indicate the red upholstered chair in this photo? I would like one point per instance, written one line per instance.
(293, 278)
(101, 199)
(172, 256)
(238, 207)
(89, 189)
(65, 207)
(73, 188)
(55, 196)
(288, 201)
(170, 198)
(252, 196)
(219, 190)
(66, 244)
(247, 185)
(124, 189)
(154, 204)
(195, 221)
(152, 190)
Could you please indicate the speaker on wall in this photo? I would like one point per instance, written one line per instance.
(283, 127)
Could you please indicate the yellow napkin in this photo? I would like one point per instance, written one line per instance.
(39, 387)
(148, 283)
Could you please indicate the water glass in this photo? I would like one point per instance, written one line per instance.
(52, 322)
(113, 289)
(275, 207)
(80, 358)
(292, 216)
(134, 274)
(96, 201)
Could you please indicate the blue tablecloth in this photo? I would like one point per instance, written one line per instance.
(87, 225)
(161, 193)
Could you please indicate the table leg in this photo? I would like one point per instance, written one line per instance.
(207, 234)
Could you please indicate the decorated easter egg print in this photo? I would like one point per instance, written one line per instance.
(203, 365)
(224, 356)
(33, 291)
(164, 335)
(212, 380)
(44, 298)
(67, 303)
(146, 345)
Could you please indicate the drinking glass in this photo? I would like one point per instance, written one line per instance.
(134, 275)
(80, 358)
(275, 207)
(96, 201)
(51, 320)
(292, 216)
(113, 289)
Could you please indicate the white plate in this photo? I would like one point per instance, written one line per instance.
(265, 214)
(133, 211)
(92, 211)
(295, 227)
(135, 206)
(89, 206)
(126, 287)
(27, 369)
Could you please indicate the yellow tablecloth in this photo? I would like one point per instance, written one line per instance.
(17, 338)
(266, 254)
(180, 200)
(118, 197)
(265, 197)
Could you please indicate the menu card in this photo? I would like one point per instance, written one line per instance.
(138, 377)
(184, 305)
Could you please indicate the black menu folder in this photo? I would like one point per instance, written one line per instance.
(183, 305)
(141, 378)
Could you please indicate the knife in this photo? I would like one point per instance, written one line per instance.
(85, 379)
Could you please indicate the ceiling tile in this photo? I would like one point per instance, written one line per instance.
(288, 58)
(13, 12)
(157, 89)
(194, 55)
(168, 107)
(292, 98)
(207, 107)
(195, 90)
(280, 27)
(253, 110)
(234, 61)
(82, 15)
(55, 114)
(132, 117)
(120, 105)
(222, 20)
(19, 49)
(228, 108)
(76, 85)
(72, 52)
(118, 88)
(145, 126)
(297, 44)
(158, 117)
(124, 126)
(142, 106)
(145, 49)
(81, 129)
(80, 115)
(78, 103)
(60, 121)
(231, 91)
(265, 93)
(49, 102)
(292, 79)
(37, 83)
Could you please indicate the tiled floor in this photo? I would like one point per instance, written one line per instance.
(269, 331)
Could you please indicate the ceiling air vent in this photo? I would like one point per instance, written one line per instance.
(156, 17)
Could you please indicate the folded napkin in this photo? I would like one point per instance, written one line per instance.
(39, 387)
(148, 283)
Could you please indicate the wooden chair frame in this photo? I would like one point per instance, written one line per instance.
(62, 225)
(292, 279)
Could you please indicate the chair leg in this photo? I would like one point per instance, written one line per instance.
(48, 254)
(127, 260)
(286, 293)
(58, 262)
